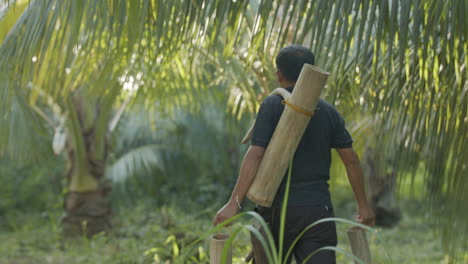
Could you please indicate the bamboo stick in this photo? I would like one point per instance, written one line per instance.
(359, 245)
(287, 135)
(217, 243)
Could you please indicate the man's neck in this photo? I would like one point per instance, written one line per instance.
(287, 84)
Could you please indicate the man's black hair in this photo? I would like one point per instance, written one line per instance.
(290, 60)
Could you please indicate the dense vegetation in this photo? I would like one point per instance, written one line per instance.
(153, 222)
(127, 114)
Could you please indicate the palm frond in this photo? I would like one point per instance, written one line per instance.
(402, 62)
(24, 135)
(3, 9)
(142, 160)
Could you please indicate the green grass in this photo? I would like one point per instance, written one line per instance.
(145, 233)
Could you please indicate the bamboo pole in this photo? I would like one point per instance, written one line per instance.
(287, 135)
(217, 243)
(359, 245)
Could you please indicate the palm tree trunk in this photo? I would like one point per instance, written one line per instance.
(87, 209)
(381, 178)
(86, 213)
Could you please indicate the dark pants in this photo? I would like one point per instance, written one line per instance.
(297, 219)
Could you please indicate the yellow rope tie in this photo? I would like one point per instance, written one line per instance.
(298, 108)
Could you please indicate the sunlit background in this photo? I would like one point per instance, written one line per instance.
(121, 121)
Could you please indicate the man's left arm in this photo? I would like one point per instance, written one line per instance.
(355, 176)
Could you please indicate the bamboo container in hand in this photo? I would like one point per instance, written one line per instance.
(288, 133)
(359, 245)
(217, 243)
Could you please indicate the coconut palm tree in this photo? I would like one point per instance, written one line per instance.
(84, 114)
(398, 65)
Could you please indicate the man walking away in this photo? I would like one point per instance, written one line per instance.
(309, 196)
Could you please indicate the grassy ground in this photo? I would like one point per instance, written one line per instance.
(158, 235)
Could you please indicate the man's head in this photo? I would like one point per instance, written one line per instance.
(289, 62)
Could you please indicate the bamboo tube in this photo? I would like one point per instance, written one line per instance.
(359, 245)
(287, 135)
(217, 242)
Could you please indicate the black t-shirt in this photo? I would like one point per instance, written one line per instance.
(312, 160)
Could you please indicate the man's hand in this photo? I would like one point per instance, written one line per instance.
(365, 216)
(354, 171)
(227, 211)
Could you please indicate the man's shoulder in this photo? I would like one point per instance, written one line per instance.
(325, 106)
(272, 100)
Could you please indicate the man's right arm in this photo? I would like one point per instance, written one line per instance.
(264, 127)
(356, 179)
(248, 170)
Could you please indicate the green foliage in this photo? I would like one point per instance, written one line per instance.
(22, 189)
(9, 13)
(144, 231)
(401, 64)
(167, 157)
